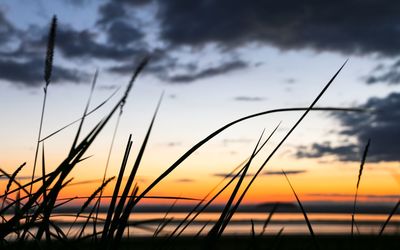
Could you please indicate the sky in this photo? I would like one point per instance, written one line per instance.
(216, 61)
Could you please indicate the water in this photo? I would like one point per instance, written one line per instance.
(145, 224)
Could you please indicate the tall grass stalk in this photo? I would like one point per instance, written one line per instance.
(270, 214)
(303, 211)
(279, 145)
(364, 157)
(217, 226)
(388, 218)
(47, 78)
(223, 128)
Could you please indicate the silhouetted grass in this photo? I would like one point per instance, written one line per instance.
(303, 211)
(364, 157)
(30, 214)
(47, 77)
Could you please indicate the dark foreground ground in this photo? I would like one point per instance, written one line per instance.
(231, 243)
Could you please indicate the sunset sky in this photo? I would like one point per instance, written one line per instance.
(216, 61)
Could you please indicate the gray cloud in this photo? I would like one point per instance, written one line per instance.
(30, 73)
(78, 3)
(351, 196)
(184, 180)
(121, 33)
(266, 173)
(364, 27)
(288, 172)
(3, 177)
(7, 30)
(345, 26)
(381, 125)
(385, 74)
(223, 68)
(134, 2)
(317, 150)
(249, 98)
(24, 64)
(225, 175)
(83, 44)
(110, 12)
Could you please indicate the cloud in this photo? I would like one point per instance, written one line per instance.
(30, 73)
(3, 177)
(110, 12)
(225, 175)
(290, 80)
(288, 172)
(385, 74)
(185, 180)
(236, 141)
(266, 173)
(23, 53)
(107, 87)
(351, 196)
(82, 44)
(345, 26)
(223, 68)
(121, 34)
(7, 30)
(135, 2)
(380, 125)
(249, 98)
(318, 150)
(78, 3)
(173, 144)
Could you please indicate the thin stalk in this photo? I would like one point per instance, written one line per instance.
(358, 184)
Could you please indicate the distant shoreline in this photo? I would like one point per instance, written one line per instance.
(311, 207)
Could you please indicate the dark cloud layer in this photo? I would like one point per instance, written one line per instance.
(83, 44)
(317, 150)
(381, 125)
(110, 12)
(24, 64)
(223, 68)
(385, 74)
(346, 26)
(7, 30)
(31, 72)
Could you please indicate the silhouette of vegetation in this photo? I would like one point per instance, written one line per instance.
(27, 217)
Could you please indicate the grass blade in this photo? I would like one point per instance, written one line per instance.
(86, 110)
(47, 77)
(79, 119)
(132, 175)
(12, 178)
(303, 211)
(364, 157)
(214, 232)
(232, 179)
(271, 213)
(311, 107)
(87, 202)
(116, 190)
(388, 218)
(218, 131)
